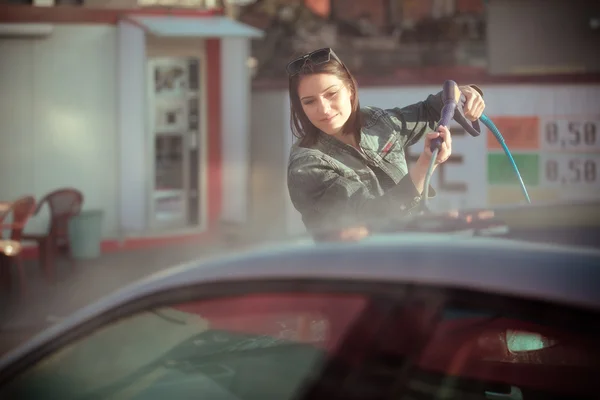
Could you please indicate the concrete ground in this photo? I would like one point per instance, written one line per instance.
(46, 303)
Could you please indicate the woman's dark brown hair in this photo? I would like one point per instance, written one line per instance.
(301, 126)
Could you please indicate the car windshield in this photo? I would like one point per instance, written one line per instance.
(289, 345)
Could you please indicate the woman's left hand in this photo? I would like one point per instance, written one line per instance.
(445, 149)
(474, 104)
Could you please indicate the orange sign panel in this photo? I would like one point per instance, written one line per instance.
(320, 7)
(520, 133)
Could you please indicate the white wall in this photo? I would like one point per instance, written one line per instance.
(548, 102)
(235, 117)
(272, 213)
(133, 157)
(294, 224)
(268, 144)
(58, 123)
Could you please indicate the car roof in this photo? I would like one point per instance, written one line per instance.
(576, 213)
(563, 274)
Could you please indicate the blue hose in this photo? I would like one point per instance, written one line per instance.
(488, 122)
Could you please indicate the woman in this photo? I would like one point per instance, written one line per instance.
(348, 166)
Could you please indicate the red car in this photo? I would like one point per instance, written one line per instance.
(400, 315)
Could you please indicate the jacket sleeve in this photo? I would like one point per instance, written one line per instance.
(415, 120)
(327, 199)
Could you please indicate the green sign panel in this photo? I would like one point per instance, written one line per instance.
(501, 172)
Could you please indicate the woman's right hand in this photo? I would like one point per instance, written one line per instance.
(445, 149)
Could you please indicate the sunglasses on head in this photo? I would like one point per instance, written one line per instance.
(316, 57)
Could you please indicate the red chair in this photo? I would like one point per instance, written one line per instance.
(63, 204)
(21, 211)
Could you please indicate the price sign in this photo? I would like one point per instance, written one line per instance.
(573, 169)
(558, 157)
(570, 134)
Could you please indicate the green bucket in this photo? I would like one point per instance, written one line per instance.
(85, 234)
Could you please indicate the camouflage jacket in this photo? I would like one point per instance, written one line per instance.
(333, 185)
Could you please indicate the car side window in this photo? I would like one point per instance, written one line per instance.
(392, 342)
(468, 346)
(247, 347)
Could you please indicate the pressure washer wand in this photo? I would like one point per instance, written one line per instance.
(450, 99)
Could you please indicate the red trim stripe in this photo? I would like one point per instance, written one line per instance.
(114, 245)
(437, 75)
(14, 13)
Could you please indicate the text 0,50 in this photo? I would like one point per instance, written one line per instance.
(572, 134)
(575, 171)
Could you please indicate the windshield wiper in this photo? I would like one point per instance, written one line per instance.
(481, 222)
